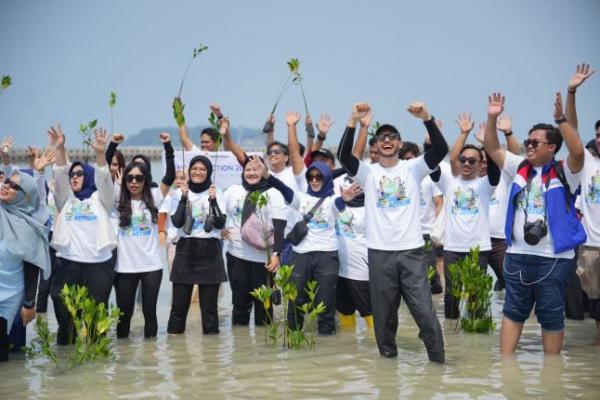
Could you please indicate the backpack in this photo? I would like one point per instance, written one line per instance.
(560, 174)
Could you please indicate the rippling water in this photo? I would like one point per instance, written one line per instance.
(237, 364)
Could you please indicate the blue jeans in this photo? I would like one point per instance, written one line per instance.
(540, 281)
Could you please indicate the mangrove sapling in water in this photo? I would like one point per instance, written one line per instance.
(5, 83)
(43, 344)
(86, 130)
(473, 287)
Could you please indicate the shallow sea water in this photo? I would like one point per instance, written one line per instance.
(236, 364)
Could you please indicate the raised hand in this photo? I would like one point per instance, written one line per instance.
(583, 72)
(465, 123)
(118, 138)
(366, 119)
(292, 117)
(495, 104)
(558, 106)
(119, 176)
(165, 137)
(419, 110)
(479, 136)
(259, 166)
(360, 110)
(100, 140)
(212, 192)
(32, 154)
(184, 185)
(44, 159)
(216, 109)
(349, 193)
(224, 126)
(7, 144)
(56, 136)
(324, 124)
(504, 123)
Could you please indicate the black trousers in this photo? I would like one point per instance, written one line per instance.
(45, 284)
(353, 295)
(244, 277)
(97, 277)
(182, 296)
(451, 303)
(126, 285)
(3, 340)
(496, 260)
(403, 274)
(323, 267)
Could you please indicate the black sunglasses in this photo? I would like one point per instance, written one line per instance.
(470, 160)
(533, 142)
(13, 185)
(73, 174)
(315, 177)
(390, 135)
(138, 178)
(275, 151)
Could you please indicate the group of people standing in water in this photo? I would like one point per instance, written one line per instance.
(362, 231)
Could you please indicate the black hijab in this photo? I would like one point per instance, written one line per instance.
(200, 187)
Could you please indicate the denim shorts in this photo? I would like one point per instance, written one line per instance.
(540, 281)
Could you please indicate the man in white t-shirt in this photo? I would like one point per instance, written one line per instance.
(588, 261)
(393, 229)
(541, 229)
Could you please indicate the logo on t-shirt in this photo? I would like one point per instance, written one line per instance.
(392, 193)
(344, 226)
(593, 190)
(140, 226)
(237, 210)
(317, 222)
(466, 201)
(80, 211)
(533, 198)
(199, 213)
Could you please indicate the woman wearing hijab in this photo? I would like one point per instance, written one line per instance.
(83, 234)
(196, 212)
(315, 257)
(23, 249)
(247, 263)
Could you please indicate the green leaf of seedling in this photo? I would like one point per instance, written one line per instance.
(6, 82)
(178, 108)
(112, 100)
(92, 124)
(294, 65)
(374, 128)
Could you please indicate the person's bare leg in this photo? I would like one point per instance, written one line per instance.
(509, 336)
(552, 342)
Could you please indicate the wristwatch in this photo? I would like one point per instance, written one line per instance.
(28, 304)
(508, 133)
(560, 120)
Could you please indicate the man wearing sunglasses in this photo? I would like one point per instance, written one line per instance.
(541, 228)
(393, 229)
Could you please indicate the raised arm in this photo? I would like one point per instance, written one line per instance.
(270, 136)
(581, 74)
(323, 127)
(490, 139)
(310, 134)
(103, 180)
(439, 147)
(348, 160)
(504, 124)
(115, 141)
(186, 142)
(465, 124)
(169, 177)
(570, 136)
(7, 144)
(363, 134)
(292, 118)
(229, 143)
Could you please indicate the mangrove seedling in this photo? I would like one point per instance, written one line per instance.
(374, 128)
(112, 101)
(268, 127)
(263, 294)
(294, 66)
(312, 313)
(43, 344)
(85, 130)
(177, 103)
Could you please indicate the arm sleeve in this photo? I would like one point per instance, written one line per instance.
(493, 172)
(278, 230)
(215, 210)
(286, 192)
(110, 151)
(439, 147)
(31, 281)
(169, 177)
(178, 218)
(344, 153)
(340, 204)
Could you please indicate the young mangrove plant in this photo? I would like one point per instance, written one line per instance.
(268, 127)
(178, 105)
(112, 101)
(311, 313)
(43, 343)
(294, 66)
(473, 287)
(5, 83)
(86, 130)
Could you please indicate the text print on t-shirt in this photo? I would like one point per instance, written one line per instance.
(317, 222)
(466, 201)
(534, 199)
(80, 211)
(392, 193)
(593, 192)
(344, 226)
(199, 213)
(140, 226)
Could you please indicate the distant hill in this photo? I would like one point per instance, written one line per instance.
(245, 137)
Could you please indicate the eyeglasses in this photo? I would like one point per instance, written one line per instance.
(315, 177)
(13, 185)
(470, 160)
(389, 135)
(271, 152)
(138, 178)
(533, 142)
(74, 174)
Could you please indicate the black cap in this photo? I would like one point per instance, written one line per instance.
(323, 153)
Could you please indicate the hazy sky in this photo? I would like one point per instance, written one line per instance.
(66, 56)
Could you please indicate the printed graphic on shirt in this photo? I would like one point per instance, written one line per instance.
(317, 222)
(534, 199)
(392, 193)
(237, 210)
(494, 200)
(422, 202)
(199, 213)
(80, 211)
(344, 226)
(593, 190)
(141, 225)
(466, 201)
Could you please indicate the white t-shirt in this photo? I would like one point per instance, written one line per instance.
(139, 245)
(535, 209)
(321, 227)
(350, 229)
(200, 210)
(467, 212)
(590, 199)
(297, 184)
(165, 207)
(233, 198)
(498, 207)
(426, 204)
(392, 203)
(82, 219)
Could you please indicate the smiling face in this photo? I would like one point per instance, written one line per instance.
(470, 163)
(198, 172)
(388, 144)
(251, 175)
(315, 179)
(179, 178)
(76, 178)
(541, 153)
(135, 181)
(277, 157)
(7, 189)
